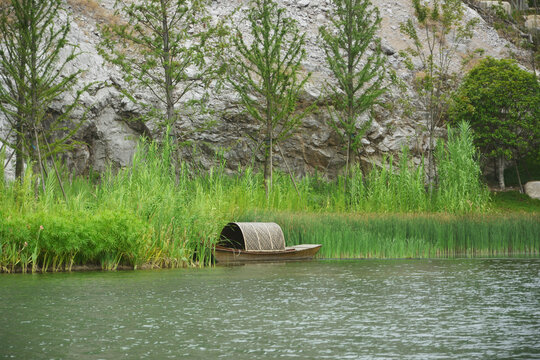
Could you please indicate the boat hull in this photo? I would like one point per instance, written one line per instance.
(298, 252)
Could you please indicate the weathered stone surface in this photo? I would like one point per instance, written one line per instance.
(110, 136)
(492, 4)
(532, 23)
(532, 188)
(387, 49)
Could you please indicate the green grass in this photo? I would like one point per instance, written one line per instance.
(514, 201)
(459, 172)
(410, 236)
(161, 213)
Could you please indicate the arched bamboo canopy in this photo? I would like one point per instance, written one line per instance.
(257, 236)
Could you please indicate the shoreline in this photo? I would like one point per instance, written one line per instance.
(115, 241)
(98, 268)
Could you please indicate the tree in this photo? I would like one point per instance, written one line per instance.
(502, 103)
(163, 47)
(358, 84)
(266, 74)
(436, 32)
(32, 76)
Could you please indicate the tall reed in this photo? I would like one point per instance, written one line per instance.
(409, 236)
(460, 188)
(160, 212)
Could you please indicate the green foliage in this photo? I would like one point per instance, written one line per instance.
(359, 85)
(513, 201)
(266, 72)
(134, 217)
(32, 76)
(436, 31)
(389, 189)
(2, 173)
(460, 186)
(409, 236)
(164, 47)
(502, 104)
(529, 170)
(154, 214)
(61, 239)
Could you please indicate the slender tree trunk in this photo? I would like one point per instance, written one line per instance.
(169, 102)
(431, 130)
(290, 172)
(40, 162)
(266, 176)
(19, 156)
(268, 159)
(430, 163)
(21, 117)
(518, 177)
(34, 87)
(347, 164)
(349, 91)
(268, 166)
(167, 64)
(270, 156)
(431, 105)
(55, 168)
(500, 172)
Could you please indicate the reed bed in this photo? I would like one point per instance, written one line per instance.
(159, 212)
(152, 214)
(410, 235)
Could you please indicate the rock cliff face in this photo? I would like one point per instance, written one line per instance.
(111, 139)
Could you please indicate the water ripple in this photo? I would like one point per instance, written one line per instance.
(391, 309)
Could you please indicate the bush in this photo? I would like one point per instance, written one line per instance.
(502, 104)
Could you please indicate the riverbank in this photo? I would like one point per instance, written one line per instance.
(159, 213)
(86, 239)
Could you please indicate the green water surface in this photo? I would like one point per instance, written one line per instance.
(362, 309)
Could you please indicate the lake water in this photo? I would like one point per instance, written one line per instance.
(368, 309)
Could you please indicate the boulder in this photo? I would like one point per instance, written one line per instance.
(532, 188)
(491, 4)
(387, 49)
(532, 23)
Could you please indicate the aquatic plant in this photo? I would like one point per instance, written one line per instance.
(409, 235)
(460, 188)
(159, 214)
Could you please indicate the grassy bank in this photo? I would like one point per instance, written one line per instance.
(161, 213)
(513, 202)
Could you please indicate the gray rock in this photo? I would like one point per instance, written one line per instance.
(387, 49)
(401, 137)
(110, 137)
(532, 23)
(506, 7)
(376, 131)
(116, 141)
(532, 188)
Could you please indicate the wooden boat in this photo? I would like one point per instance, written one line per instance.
(241, 242)
(298, 252)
